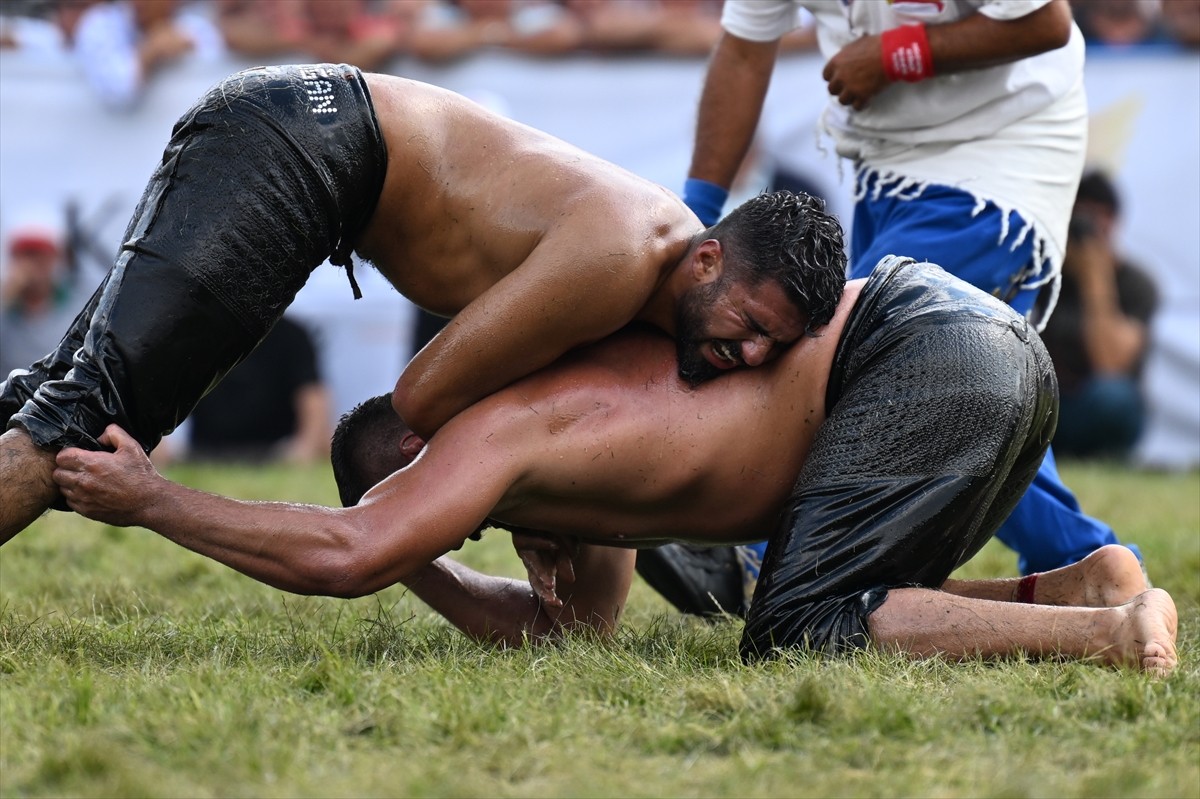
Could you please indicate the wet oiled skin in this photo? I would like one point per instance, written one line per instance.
(627, 453)
(469, 197)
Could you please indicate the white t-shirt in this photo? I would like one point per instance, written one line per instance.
(1014, 134)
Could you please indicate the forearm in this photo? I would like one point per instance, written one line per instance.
(305, 549)
(495, 610)
(869, 64)
(399, 526)
(730, 106)
(301, 548)
(978, 41)
(508, 612)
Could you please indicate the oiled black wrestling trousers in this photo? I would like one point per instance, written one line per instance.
(942, 402)
(272, 172)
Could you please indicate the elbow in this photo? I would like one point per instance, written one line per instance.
(1056, 40)
(1056, 27)
(339, 574)
(344, 569)
(415, 406)
(346, 583)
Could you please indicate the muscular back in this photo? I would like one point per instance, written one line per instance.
(610, 446)
(470, 196)
(533, 246)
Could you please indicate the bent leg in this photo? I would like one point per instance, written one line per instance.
(944, 413)
(925, 623)
(255, 189)
(1110, 576)
(1047, 529)
(259, 184)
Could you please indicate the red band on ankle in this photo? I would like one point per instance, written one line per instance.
(1025, 588)
(906, 53)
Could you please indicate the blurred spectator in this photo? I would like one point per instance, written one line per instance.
(348, 32)
(333, 31)
(31, 34)
(271, 406)
(1098, 333)
(617, 27)
(1119, 23)
(1181, 18)
(46, 29)
(122, 44)
(448, 30)
(39, 293)
(667, 27)
(262, 28)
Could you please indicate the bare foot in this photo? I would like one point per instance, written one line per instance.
(1145, 637)
(1110, 576)
(1114, 576)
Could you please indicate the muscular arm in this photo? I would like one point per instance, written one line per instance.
(731, 103)
(855, 74)
(979, 41)
(507, 612)
(349, 552)
(401, 525)
(571, 291)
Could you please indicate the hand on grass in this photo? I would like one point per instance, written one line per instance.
(549, 560)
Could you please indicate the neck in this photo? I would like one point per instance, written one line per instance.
(659, 309)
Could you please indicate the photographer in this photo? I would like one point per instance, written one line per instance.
(1099, 332)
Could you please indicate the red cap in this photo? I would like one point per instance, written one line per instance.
(34, 239)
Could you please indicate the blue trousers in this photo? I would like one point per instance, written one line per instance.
(1047, 529)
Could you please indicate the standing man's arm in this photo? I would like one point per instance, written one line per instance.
(739, 75)
(867, 65)
(731, 103)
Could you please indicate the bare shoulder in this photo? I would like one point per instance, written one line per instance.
(621, 224)
(619, 371)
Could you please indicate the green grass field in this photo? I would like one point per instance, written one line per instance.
(130, 667)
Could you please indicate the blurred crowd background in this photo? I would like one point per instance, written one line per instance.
(370, 33)
(90, 88)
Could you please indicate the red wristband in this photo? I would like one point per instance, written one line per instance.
(1025, 588)
(906, 53)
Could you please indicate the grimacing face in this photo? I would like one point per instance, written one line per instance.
(727, 324)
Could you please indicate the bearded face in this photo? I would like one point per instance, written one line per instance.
(691, 333)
